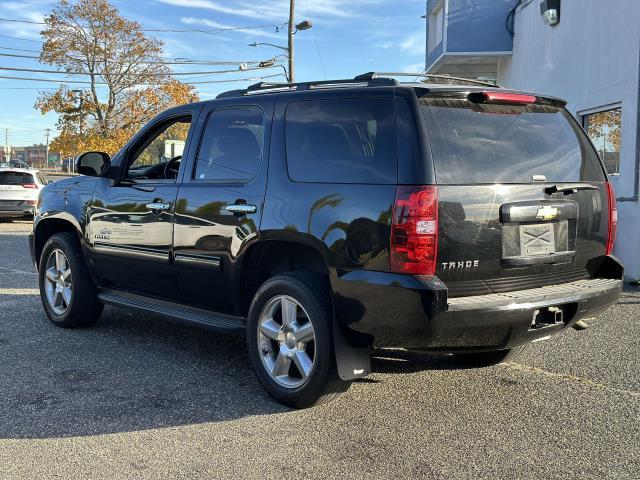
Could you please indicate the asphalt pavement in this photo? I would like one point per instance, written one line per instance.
(137, 396)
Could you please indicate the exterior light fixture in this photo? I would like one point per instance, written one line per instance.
(304, 25)
(550, 11)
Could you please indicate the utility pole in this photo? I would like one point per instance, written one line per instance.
(291, 27)
(46, 154)
(289, 49)
(7, 148)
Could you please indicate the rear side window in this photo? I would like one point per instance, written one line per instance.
(231, 149)
(341, 141)
(15, 178)
(478, 143)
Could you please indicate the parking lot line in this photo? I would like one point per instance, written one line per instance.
(568, 378)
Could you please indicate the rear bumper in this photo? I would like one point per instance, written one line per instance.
(415, 312)
(15, 211)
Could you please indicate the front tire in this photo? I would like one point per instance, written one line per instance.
(290, 341)
(68, 294)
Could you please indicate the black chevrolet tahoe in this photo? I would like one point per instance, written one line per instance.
(322, 219)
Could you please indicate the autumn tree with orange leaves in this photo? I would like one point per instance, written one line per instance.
(127, 81)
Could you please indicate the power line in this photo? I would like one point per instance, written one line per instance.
(48, 80)
(35, 129)
(20, 49)
(28, 88)
(249, 79)
(212, 31)
(168, 30)
(315, 39)
(20, 38)
(15, 20)
(181, 62)
(104, 74)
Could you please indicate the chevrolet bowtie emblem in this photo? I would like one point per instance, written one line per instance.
(547, 213)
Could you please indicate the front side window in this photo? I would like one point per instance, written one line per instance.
(161, 146)
(232, 147)
(605, 131)
(341, 141)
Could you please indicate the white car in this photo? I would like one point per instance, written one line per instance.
(19, 190)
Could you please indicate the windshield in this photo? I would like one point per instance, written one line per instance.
(477, 143)
(15, 178)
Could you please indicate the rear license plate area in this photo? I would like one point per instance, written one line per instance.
(530, 243)
(537, 239)
(538, 232)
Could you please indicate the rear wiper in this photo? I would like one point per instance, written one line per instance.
(568, 188)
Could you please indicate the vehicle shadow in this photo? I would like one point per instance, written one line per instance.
(403, 361)
(133, 372)
(129, 372)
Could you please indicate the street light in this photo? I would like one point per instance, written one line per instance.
(303, 25)
(256, 44)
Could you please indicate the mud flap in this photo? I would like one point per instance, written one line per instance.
(352, 362)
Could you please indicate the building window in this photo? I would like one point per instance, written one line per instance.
(604, 127)
(436, 26)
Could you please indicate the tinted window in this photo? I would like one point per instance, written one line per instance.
(474, 143)
(15, 178)
(232, 145)
(160, 146)
(341, 141)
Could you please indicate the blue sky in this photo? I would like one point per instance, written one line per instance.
(348, 37)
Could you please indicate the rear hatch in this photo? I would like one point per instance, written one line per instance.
(16, 188)
(522, 195)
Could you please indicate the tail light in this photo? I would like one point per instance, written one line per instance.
(29, 185)
(613, 218)
(31, 202)
(414, 230)
(502, 98)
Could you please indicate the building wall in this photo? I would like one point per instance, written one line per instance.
(478, 25)
(591, 59)
(461, 32)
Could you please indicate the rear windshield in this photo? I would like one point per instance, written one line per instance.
(15, 178)
(477, 143)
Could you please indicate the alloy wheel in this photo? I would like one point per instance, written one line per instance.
(57, 282)
(286, 341)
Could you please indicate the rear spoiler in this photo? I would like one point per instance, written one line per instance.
(495, 96)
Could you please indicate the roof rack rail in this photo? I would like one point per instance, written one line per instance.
(377, 75)
(271, 87)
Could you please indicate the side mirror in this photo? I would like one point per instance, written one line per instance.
(93, 164)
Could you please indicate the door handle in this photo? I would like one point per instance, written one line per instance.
(158, 206)
(241, 208)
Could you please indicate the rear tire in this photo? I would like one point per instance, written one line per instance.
(290, 340)
(487, 359)
(69, 297)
